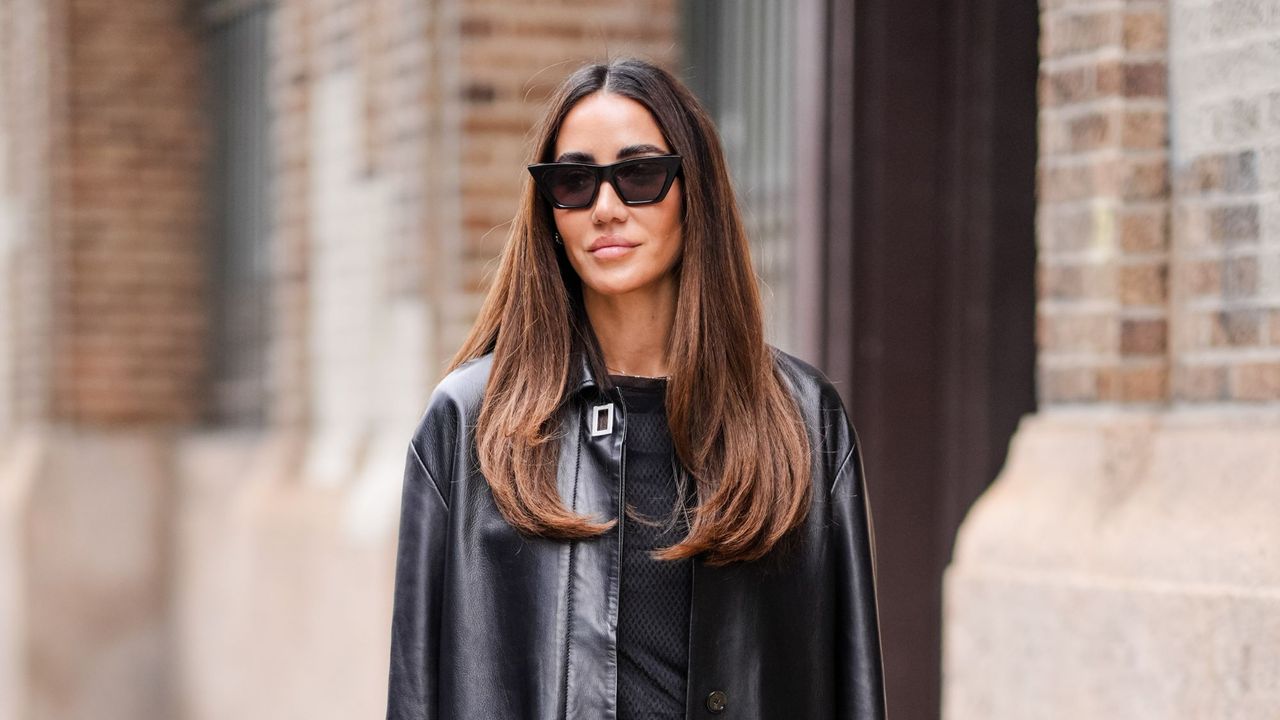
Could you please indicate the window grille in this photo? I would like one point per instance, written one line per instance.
(739, 59)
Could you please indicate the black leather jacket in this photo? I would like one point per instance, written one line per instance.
(489, 624)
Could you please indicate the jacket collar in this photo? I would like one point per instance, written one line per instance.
(585, 378)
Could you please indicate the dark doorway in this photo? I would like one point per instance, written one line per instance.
(885, 153)
(924, 250)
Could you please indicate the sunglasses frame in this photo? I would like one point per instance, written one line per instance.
(606, 174)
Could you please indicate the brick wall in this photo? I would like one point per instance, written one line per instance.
(1103, 212)
(129, 323)
(1226, 271)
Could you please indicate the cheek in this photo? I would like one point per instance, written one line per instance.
(672, 220)
(575, 226)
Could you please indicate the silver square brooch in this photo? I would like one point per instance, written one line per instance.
(601, 419)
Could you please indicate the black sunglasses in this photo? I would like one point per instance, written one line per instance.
(638, 181)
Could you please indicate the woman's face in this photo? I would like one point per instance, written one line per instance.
(604, 128)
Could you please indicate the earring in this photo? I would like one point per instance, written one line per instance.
(556, 235)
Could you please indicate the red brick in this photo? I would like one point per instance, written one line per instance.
(1133, 384)
(1059, 282)
(1067, 86)
(1143, 230)
(1143, 285)
(1143, 337)
(1146, 80)
(1090, 132)
(1144, 130)
(1145, 31)
(1144, 178)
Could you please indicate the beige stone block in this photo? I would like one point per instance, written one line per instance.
(91, 569)
(1123, 565)
(284, 584)
(1046, 646)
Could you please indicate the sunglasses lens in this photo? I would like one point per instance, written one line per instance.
(571, 186)
(642, 181)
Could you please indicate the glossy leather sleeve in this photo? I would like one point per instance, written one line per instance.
(415, 623)
(859, 670)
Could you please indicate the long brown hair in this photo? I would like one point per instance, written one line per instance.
(735, 427)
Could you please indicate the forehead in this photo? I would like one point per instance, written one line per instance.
(602, 123)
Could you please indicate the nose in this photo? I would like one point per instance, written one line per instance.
(609, 206)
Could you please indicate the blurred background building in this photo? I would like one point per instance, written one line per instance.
(1034, 246)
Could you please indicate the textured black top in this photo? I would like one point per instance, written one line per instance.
(653, 603)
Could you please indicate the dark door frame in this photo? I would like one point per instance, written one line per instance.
(916, 153)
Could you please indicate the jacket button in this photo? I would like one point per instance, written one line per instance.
(717, 701)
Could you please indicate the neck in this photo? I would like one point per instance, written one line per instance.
(634, 328)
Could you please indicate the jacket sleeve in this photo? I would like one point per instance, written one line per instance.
(415, 622)
(860, 674)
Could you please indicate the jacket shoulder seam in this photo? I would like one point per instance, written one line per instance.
(853, 449)
(431, 480)
(835, 482)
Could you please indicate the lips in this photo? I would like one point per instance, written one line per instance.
(608, 241)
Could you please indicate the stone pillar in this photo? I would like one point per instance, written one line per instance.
(101, 274)
(1123, 564)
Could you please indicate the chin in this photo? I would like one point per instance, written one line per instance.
(615, 286)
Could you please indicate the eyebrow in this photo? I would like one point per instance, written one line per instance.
(624, 153)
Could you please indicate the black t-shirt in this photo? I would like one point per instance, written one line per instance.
(653, 603)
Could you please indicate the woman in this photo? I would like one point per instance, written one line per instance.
(621, 502)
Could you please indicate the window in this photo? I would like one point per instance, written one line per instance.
(240, 209)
